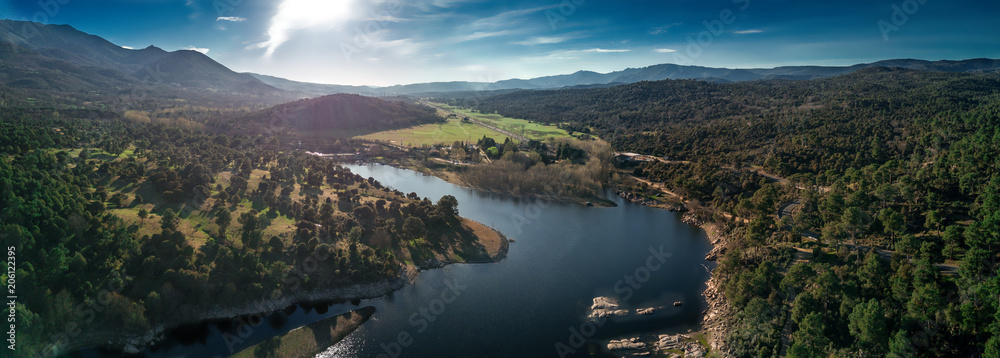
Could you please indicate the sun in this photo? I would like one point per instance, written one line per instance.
(293, 15)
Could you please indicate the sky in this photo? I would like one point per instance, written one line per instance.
(387, 42)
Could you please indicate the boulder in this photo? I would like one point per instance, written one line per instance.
(626, 344)
(605, 307)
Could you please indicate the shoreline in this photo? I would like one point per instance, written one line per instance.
(715, 317)
(135, 343)
(714, 320)
(596, 201)
(311, 339)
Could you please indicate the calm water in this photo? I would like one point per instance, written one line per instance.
(529, 305)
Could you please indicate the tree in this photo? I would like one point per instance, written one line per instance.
(252, 235)
(757, 234)
(868, 324)
(447, 207)
(873, 274)
(223, 218)
(276, 244)
(853, 220)
(933, 220)
(893, 223)
(143, 214)
(810, 338)
(900, 346)
(953, 239)
(169, 220)
(414, 227)
(992, 347)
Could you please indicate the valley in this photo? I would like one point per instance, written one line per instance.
(160, 203)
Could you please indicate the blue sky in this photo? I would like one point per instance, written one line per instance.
(385, 42)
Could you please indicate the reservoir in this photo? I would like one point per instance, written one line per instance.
(534, 303)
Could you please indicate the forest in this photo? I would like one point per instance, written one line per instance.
(339, 115)
(895, 172)
(151, 221)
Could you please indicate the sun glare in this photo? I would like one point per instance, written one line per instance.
(303, 14)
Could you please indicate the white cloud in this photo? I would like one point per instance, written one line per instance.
(574, 54)
(294, 15)
(195, 11)
(662, 29)
(204, 51)
(127, 48)
(231, 18)
(541, 41)
(480, 35)
(664, 50)
(432, 5)
(746, 32)
(503, 20)
(601, 50)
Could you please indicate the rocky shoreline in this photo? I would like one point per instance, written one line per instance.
(636, 199)
(716, 317)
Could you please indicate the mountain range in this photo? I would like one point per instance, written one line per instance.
(59, 57)
(633, 75)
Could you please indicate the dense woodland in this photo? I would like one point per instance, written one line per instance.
(895, 160)
(555, 171)
(340, 115)
(153, 221)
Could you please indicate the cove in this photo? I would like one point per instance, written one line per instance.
(531, 304)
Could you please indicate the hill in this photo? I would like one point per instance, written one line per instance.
(340, 115)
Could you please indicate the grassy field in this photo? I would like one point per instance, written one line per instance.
(456, 130)
(528, 129)
(431, 134)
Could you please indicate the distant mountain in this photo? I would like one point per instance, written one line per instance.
(70, 60)
(312, 88)
(633, 75)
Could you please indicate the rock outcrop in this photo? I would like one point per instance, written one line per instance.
(605, 307)
(626, 344)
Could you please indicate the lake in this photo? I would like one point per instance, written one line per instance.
(533, 303)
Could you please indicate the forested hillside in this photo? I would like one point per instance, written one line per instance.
(893, 160)
(155, 222)
(340, 115)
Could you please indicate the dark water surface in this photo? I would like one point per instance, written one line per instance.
(528, 305)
